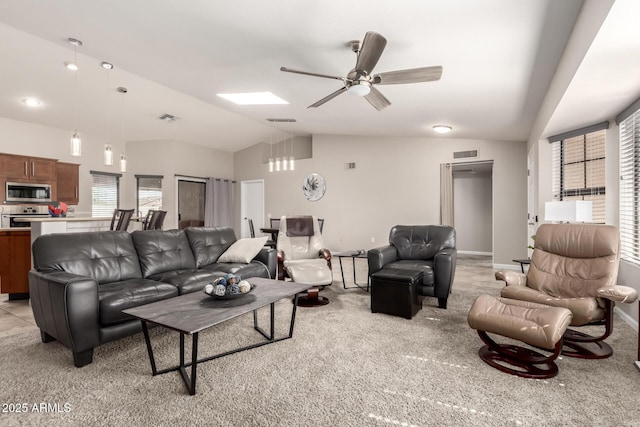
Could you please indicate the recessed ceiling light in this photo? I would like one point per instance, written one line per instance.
(252, 98)
(107, 65)
(32, 102)
(75, 42)
(71, 65)
(442, 128)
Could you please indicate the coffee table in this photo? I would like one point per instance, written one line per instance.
(192, 313)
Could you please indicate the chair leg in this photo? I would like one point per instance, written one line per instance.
(519, 361)
(585, 346)
(45, 337)
(82, 358)
(442, 303)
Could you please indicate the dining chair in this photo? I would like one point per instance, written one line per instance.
(154, 220)
(120, 219)
(321, 223)
(252, 231)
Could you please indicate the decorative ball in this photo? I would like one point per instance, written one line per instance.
(208, 289)
(244, 286)
(234, 290)
(220, 290)
(222, 281)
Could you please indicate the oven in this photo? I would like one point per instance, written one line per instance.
(11, 212)
(27, 192)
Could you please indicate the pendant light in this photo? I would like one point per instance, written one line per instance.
(123, 157)
(108, 150)
(292, 158)
(285, 159)
(75, 142)
(270, 154)
(277, 157)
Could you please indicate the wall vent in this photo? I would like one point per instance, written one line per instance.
(282, 120)
(465, 154)
(350, 165)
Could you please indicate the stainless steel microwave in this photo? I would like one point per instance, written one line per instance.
(27, 192)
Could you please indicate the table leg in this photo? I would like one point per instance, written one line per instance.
(147, 341)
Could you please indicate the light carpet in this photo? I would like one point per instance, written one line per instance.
(345, 366)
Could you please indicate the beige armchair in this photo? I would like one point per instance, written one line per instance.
(574, 266)
(302, 256)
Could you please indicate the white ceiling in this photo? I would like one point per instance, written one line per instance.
(498, 57)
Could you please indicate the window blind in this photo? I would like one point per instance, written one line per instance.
(630, 187)
(104, 194)
(149, 193)
(579, 170)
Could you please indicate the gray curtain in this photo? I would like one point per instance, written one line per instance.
(218, 208)
(446, 194)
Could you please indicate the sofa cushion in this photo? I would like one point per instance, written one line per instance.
(243, 250)
(105, 256)
(117, 296)
(421, 241)
(188, 281)
(162, 251)
(208, 243)
(253, 269)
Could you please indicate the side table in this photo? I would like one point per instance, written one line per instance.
(522, 262)
(359, 253)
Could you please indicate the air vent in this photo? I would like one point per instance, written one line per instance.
(349, 166)
(168, 118)
(282, 120)
(465, 154)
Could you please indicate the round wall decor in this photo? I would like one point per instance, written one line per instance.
(313, 187)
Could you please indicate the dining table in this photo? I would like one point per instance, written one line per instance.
(272, 231)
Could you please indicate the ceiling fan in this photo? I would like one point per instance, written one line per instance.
(360, 81)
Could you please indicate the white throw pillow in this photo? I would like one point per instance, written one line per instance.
(243, 250)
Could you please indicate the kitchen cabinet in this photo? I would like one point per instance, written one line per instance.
(15, 263)
(67, 178)
(27, 169)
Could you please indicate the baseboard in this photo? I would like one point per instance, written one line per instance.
(627, 319)
(507, 267)
(475, 253)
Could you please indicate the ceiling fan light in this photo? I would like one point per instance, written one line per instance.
(442, 128)
(359, 88)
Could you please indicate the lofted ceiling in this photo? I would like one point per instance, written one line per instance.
(498, 58)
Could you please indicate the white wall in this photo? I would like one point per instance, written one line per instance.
(472, 211)
(396, 181)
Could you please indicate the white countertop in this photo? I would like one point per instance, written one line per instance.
(60, 219)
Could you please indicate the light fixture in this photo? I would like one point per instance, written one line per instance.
(285, 159)
(75, 143)
(108, 150)
(270, 154)
(108, 155)
(123, 157)
(253, 98)
(359, 88)
(277, 157)
(106, 65)
(32, 102)
(442, 128)
(292, 165)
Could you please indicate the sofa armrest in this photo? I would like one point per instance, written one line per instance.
(444, 270)
(268, 257)
(618, 293)
(512, 278)
(65, 306)
(326, 254)
(379, 257)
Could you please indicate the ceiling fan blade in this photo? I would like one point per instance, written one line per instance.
(328, 97)
(372, 47)
(414, 75)
(377, 99)
(306, 73)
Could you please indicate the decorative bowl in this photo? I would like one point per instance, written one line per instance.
(228, 287)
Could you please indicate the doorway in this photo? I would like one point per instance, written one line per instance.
(473, 207)
(251, 205)
(191, 199)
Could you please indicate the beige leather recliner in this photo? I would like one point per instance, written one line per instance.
(574, 266)
(303, 257)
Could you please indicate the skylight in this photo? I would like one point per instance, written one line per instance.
(252, 98)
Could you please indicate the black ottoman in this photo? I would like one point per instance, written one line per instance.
(395, 292)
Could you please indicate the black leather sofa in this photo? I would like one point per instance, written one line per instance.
(427, 248)
(81, 282)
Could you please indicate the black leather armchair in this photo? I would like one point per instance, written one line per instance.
(427, 248)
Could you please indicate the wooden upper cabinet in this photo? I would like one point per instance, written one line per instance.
(27, 169)
(68, 183)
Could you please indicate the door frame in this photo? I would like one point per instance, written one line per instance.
(244, 225)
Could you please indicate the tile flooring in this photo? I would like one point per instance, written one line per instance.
(15, 316)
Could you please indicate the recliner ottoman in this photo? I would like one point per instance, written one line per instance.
(395, 291)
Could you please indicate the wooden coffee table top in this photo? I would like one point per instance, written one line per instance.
(194, 312)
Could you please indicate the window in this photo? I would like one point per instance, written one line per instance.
(630, 185)
(149, 193)
(579, 167)
(105, 193)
